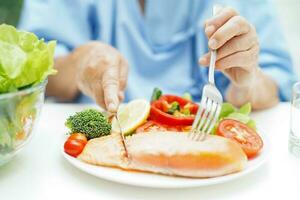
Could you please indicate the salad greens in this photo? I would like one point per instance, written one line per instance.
(187, 96)
(156, 94)
(174, 107)
(228, 111)
(25, 60)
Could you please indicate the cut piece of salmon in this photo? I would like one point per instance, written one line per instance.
(170, 153)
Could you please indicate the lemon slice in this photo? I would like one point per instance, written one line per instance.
(131, 116)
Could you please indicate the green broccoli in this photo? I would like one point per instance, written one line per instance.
(90, 122)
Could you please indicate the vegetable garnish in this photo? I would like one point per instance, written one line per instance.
(156, 94)
(90, 122)
(173, 111)
(78, 136)
(75, 144)
(131, 116)
(248, 139)
(187, 96)
(228, 111)
(25, 59)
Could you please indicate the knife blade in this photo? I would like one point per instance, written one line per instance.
(122, 136)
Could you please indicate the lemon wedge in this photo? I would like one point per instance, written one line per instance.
(131, 116)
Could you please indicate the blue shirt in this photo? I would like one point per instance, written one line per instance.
(162, 45)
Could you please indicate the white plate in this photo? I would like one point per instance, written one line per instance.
(160, 181)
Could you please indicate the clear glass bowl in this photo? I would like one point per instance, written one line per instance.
(19, 112)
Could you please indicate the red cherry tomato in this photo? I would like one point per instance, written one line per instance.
(74, 147)
(78, 136)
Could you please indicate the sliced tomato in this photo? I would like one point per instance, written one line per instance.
(158, 113)
(155, 126)
(248, 139)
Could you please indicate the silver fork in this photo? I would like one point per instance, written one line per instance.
(211, 102)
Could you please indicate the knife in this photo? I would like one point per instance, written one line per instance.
(122, 135)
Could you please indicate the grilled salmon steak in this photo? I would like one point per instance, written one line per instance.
(170, 153)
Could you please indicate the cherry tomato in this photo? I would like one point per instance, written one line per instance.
(74, 147)
(78, 136)
(248, 139)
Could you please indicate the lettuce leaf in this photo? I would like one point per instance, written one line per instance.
(25, 60)
(228, 111)
(239, 117)
(245, 109)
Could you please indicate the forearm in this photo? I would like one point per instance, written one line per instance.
(63, 86)
(262, 92)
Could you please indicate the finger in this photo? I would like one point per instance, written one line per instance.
(98, 94)
(236, 44)
(110, 84)
(214, 23)
(243, 59)
(204, 59)
(234, 27)
(121, 96)
(123, 74)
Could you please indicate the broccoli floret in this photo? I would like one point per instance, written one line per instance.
(90, 122)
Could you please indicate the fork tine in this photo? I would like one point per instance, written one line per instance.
(199, 114)
(215, 118)
(209, 121)
(204, 118)
(199, 117)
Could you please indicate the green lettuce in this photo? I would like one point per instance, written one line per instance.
(228, 111)
(25, 60)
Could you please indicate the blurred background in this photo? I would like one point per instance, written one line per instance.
(287, 10)
(10, 11)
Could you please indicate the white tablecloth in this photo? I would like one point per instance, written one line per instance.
(40, 172)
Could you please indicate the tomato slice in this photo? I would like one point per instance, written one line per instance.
(247, 138)
(155, 126)
(158, 114)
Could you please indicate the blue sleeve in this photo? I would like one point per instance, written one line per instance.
(274, 59)
(65, 21)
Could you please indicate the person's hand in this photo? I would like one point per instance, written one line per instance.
(237, 46)
(101, 73)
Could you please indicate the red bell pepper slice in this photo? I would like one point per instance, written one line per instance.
(157, 111)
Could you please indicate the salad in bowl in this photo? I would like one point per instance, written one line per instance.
(25, 63)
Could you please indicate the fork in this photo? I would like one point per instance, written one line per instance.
(211, 102)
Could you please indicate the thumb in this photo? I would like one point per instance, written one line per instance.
(110, 84)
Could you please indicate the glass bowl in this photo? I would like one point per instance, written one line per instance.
(19, 112)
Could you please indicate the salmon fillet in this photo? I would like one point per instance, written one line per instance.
(170, 153)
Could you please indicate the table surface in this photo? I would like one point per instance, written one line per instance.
(40, 171)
